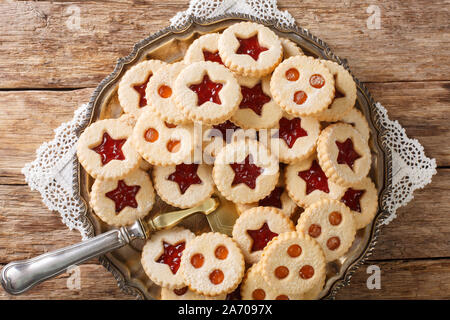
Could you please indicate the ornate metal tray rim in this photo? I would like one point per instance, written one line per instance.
(86, 222)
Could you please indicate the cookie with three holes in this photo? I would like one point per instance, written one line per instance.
(293, 262)
(212, 264)
(331, 224)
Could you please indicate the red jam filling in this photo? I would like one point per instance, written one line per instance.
(212, 56)
(246, 172)
(185, 175)
(207, 90)
(253, 98)
(261, 237)
(315, 178)
(273, 199)
(110, 149)
(352, 198)
(251, 47)
(172, 255)
(227, 129)
(347, 154)
(123, 196)
(180, 292)
(140, 88)
(290, 131)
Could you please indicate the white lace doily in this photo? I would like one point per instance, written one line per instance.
(52, 173)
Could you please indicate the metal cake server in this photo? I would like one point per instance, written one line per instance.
(19, 276)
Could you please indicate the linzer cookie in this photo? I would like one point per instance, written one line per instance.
(362, 199)
(160, 93)
(162, 254)
(256, 227)
(331, 224)
(355, 118)
(204, 48)
(344, 93)
(245, 171)
(250, 49)
(295, 138)
(254, 287)
(122, 201)
(307, 183)
(343, 154)
(293, 262)
(132, 87)
(212, 264)
(207, 91)
(290, 49)
(183, 185)
(161, 143)
(257, 109)
(104, 149)
(186, 294)
(302, 86)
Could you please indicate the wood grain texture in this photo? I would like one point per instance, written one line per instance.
(405, 65)
(40, 48)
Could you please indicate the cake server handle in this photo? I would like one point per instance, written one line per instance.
(19, 276)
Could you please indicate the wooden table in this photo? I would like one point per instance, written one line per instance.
(48, 68)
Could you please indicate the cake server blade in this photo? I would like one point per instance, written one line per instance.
(223, 218)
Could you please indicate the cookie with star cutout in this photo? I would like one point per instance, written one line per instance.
(250, 49)
(105, 151)
(183, 185)
(343, 154)
(120, 202)
(245, 171)
(162, 254)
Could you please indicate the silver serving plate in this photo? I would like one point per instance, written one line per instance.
(169, 45)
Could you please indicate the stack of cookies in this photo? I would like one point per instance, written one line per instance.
(278, 132)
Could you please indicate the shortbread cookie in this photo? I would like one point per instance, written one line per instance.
(186, 294)
(307, 183)
(362, 199)
(162, 255)
(331, 224)
(120, 202)
(207, 91)
(257, 109)
(212, 264)
(254, 287)
(344, 93)
(104, 149)
(293, 262)
(278, 198)
(256, 227)
(290, 49)
(250, 49)
(245, 171)
(343, 154)
(204, 48)
(358, 121)
(159, 92)
(184, 185)
(295, 138)
(132, 86)
(128, 118)
(302, 86)
(160, 143)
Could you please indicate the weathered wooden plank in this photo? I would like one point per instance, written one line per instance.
(95, 283)
(42, 47)
(421, 108)
(422, 229)
(27, 119)
(422, 279)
